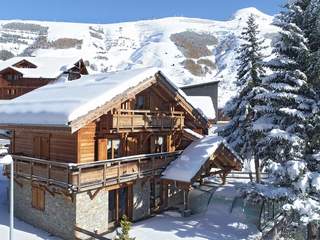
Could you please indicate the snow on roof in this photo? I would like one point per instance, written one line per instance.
(204, 105)
(63, 102)
(187, 165)
(47, 67)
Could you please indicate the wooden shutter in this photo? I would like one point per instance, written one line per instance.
(102, 149)
(41, 147)
(45, 148)
(37, 146)
(38, 198)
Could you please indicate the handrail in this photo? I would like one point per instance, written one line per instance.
(149, 111)
(128, 159)
(72, 173)
(97, 163)
(43, 161)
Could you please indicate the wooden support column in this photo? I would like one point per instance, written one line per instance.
(185, 199)
(164, 195)
(117, 205)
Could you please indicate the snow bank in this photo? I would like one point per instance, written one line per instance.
(186, 166)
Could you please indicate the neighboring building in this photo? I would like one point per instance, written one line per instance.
(20, 75)
(87, 152)
(204, 89)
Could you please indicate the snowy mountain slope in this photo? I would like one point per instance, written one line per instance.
(191, 50)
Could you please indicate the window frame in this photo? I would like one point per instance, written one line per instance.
(111, 141)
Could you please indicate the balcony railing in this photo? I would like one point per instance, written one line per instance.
(143, 119)
(86, 176)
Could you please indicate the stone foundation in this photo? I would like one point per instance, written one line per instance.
(58, 217)
(62, 214)
(92, 214)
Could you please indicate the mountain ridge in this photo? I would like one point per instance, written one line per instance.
(191, 50)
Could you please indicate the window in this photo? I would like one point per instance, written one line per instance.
(113, 148)
(12, 77)
(159, 144)
(140, 103)
(38, 196)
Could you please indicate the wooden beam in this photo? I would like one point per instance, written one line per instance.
(93, 195)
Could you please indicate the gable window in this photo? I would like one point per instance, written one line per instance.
(140, 102)
(113, 148)
(38, 198)
(12, 77)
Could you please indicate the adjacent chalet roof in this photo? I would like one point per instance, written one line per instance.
(188, 165)
(203, 84)
(204, 104)
(192, 133)
(43, 67)
(66, 102)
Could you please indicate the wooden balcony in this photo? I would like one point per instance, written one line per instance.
(146, 119)
(87, 176)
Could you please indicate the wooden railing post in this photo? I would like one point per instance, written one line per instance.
(79, 178)
(104, 174)
(48, 173)
(119, 172)
(31, 170)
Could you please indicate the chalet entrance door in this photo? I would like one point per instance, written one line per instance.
(120, 204)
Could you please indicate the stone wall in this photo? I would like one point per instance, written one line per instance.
(141, 199)
(92, 214)
(57, 218)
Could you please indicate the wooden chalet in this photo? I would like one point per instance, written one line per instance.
(20, 75)
(87, 152)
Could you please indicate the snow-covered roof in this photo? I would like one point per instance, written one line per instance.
(204, 104)
(66, 101)
(193, 133)
(47, 67)
(187, 165)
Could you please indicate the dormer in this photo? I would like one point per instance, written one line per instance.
(24, 64)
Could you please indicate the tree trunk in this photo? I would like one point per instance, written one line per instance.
(312, 231)
(257, 168)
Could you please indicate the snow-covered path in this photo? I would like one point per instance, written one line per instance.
(215, 224)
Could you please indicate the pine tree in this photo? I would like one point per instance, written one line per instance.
(312, 33)
(286, 116)
(241, 109)
(125, 226)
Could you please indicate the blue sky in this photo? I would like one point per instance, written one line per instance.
(109, 11)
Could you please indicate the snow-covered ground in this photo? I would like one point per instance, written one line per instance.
(215, 223)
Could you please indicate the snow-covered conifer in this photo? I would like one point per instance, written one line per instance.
(285, 116)
(241, 109)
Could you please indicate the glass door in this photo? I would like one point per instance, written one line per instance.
(112, 206)
(123, 202)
